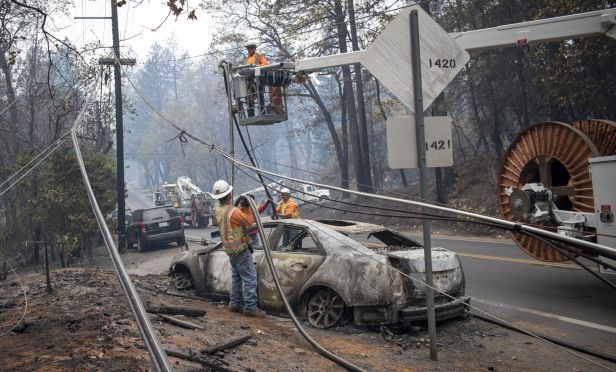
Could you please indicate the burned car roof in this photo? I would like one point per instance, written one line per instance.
(388, 236)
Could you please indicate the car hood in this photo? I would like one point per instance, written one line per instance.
(442, 259)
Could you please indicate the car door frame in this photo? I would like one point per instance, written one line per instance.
(294, 270)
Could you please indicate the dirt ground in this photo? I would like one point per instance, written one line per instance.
(85, 324)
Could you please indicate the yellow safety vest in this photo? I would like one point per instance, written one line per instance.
(234, 240)
(283, 208)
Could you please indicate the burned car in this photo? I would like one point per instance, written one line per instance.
(332, 271)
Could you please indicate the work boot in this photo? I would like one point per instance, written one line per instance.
(256, 313)
(235, 308)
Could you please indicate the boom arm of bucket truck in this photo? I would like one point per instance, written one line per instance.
(186, 189)
(574, 26)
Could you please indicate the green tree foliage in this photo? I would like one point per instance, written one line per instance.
(63, 207)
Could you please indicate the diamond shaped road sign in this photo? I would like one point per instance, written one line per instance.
(388, 58)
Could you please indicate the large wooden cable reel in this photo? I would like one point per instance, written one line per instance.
(601, 132)
(556, 155)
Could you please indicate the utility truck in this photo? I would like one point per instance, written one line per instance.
(194, 205)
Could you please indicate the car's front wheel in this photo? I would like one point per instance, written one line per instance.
(325, 308)
(182, 280)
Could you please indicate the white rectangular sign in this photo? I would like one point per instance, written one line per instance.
(402, 142)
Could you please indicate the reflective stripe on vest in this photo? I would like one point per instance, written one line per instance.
(234, 240)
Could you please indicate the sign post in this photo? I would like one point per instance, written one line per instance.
(421, 154)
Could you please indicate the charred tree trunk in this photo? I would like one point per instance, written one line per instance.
(349, 98)
(361, 109)
(340, 154)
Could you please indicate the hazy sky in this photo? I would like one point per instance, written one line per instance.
(135, 23)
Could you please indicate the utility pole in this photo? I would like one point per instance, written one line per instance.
(116, 62)
(423, 174)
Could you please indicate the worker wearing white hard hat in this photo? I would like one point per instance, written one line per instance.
(287, 207)
(233, 222)
(254, 58)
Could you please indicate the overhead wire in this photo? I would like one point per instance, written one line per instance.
(572, 258)
(55, 145)
(392, 192)
(413, 215)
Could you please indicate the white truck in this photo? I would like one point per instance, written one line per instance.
(300, 192)
(312, 193)
(194, 205)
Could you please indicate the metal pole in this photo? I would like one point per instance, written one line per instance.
(421, 153)
(119, 128)
(227, 72)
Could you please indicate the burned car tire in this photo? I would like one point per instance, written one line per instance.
(182, 280)
(325, 308)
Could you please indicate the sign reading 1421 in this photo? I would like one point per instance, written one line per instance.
(402, 142)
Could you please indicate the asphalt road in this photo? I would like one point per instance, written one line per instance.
(559, 300)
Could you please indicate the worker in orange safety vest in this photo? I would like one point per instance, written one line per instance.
(233, 222)
(256, 58)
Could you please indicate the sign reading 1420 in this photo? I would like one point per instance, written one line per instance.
(442, 63)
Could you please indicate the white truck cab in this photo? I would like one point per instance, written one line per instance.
(312, 193)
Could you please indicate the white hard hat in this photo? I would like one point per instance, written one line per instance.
(285, 191)
(251, 43)
(221, 189)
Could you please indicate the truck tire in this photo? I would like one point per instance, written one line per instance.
(142, 245)
(203, 221)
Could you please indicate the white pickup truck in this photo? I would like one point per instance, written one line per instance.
(311, 193)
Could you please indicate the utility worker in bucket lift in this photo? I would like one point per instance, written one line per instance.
(256, 58)
(233, 222)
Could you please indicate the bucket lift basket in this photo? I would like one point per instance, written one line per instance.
(260, 93)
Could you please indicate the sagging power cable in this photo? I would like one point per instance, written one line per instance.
(570, 256)
(413, 215)
(270, 264)
(392, 192)
(157, 354)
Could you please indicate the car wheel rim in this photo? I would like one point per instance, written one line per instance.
(325, 309)
(182, 281)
